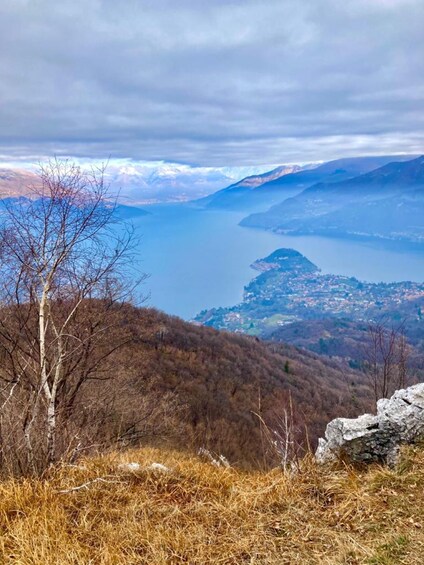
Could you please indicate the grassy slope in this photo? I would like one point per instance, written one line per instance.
(200, 514)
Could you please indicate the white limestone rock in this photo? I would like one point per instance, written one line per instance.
(133, 467)
(129, 467)
(399, 420)
(158, 467)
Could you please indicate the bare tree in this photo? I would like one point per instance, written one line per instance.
(403, 351)
(65, 264)
(386, 359)
(285, 433)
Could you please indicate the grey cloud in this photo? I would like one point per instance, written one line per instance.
(211, 83)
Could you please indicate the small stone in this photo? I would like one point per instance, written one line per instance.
(129, 467)
(158, 467)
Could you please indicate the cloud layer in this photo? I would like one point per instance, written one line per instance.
(211, 83)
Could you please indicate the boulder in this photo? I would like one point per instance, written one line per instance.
(376, 438)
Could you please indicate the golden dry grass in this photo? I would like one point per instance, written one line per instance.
(199, 514)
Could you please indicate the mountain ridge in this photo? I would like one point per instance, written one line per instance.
(240, 197)
(346, 207)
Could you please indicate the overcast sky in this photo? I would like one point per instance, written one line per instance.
(211, 82)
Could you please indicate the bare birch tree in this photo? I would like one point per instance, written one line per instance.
(386, 359)
(65, 264)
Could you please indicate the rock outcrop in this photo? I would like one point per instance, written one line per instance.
(376, 438)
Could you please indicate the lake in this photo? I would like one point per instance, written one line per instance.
(201, 259)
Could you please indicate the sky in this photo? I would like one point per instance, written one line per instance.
(211, 83)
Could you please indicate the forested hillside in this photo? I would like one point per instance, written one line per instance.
(191, 386)
(195, 386)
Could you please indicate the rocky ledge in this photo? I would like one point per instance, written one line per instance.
(376, 438)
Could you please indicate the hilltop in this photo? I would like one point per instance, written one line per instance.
(290, 289)
(98, 512)
(291, 301)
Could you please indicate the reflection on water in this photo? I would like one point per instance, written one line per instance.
(199, 258)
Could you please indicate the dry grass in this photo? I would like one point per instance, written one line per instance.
(199, 514)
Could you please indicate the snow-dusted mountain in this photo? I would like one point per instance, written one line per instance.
(141, 182)
(172, 182)
(14, 182)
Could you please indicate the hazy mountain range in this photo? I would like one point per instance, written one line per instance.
(387, 202)
(121, 211)
(289, 182)
(168, 182)
(242, 194)
(15, 182)
(362, 196)
(140, 182)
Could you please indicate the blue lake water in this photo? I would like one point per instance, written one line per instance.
(199, 259)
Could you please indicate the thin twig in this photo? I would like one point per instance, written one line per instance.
(86, 485)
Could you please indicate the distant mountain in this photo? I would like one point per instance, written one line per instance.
(233, 196)
(164, 182)
(122, 211)
(252, 195)
(15, 182)
(256, 180)
(387, 202)
(150, 183)
(139, 182)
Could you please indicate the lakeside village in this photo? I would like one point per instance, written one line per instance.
(291, 288)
